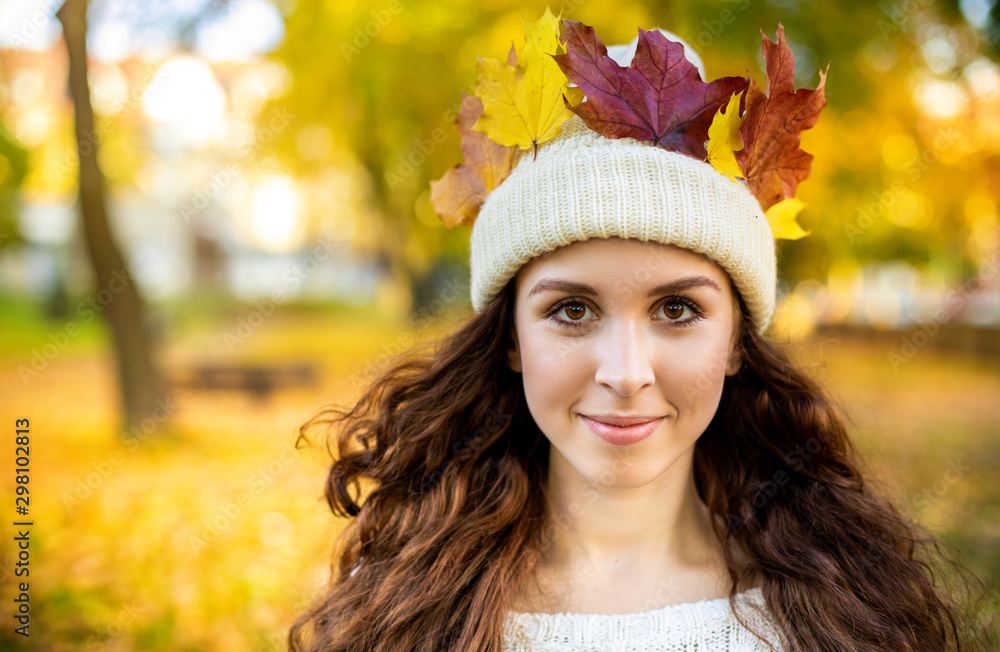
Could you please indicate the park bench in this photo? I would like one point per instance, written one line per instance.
(257, 380)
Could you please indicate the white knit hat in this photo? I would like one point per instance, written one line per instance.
(583, 185)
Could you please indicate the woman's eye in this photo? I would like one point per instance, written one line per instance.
(674, 310)
(575, 311)
(678, 313)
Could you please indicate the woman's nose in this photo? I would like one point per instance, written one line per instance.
(625, 359)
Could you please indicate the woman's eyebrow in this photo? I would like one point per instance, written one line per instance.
(679, 285)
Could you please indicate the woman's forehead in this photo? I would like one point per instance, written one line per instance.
(614, 258)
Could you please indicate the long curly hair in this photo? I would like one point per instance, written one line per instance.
(451, 520)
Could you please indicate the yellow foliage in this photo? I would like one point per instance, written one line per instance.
(523, 104)
(782, 218)
(724, 139)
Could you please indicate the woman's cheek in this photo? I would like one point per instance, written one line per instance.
(555, 372)
(700, 378)
(541, 363)
(552, 351)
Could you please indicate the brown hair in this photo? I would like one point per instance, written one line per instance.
(453, 521)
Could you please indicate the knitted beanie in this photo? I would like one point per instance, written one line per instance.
(581, 185)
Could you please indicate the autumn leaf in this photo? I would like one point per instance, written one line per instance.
(659, 97)
(724, 139)
(460, 193)
(523, 97)
(781, 217)
(773, 124)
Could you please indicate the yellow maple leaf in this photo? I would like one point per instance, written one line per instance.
(781, 216)
(724, 139)
(523, 104)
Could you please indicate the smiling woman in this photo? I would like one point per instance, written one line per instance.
(649, 363)
(608, 453)
(650, 355)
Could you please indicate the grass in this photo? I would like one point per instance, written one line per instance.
(214, 533)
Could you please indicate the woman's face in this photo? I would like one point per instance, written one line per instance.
(613, 327)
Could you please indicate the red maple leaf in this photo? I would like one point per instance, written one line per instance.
(659, 97)
(775, 118)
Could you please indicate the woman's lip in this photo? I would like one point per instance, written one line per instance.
(622, 436)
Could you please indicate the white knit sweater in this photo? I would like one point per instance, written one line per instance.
(705, 626)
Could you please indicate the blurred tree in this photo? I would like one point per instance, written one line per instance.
(142, 384)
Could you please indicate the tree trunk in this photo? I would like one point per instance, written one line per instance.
(143, 390)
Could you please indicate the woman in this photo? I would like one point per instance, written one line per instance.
(609, 454)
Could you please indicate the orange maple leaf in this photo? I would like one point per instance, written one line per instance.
(460, 193)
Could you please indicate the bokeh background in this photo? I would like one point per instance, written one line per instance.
(239, 233)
